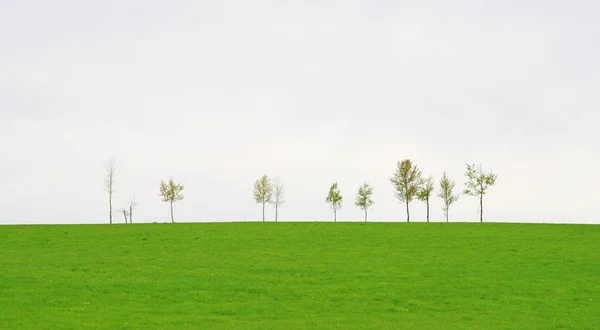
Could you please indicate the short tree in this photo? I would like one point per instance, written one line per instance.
(334, 198)
(263, 192)
(478, 183)
(406, 182)
(171, 193)
(447, 194)
(125, 212)
(363, 198)
(132, 205)
(278, 196)
(425, 191)
(109, 182)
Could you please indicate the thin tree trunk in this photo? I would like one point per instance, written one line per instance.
(427, 210)
(365, 215)
(172, 220)
(276, 212)
(130, 214)
(407, 213)
(480, 208)
(110, 207)
(334, 216)
(263, 212)
(447, 211)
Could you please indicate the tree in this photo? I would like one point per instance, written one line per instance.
(406, 182)
(278, 189)
(478, 183)
(109, 182)
(132, 205)
(334, 198)
(425, 192)
(125, 213)
(447, 194)
(263, 192)
(363, 198)
(171, 193)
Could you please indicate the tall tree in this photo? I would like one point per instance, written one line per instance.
(109, 183)
(363, 198)
(478, 183)
(278, 190)
(447, 194)
(171, 193)
(406, 182)
(263, 192)
(334, 198)
(132, 205)
(425, 191)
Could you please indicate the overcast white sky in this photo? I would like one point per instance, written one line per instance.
(216, 93)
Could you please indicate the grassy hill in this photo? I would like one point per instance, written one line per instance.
(300, 275)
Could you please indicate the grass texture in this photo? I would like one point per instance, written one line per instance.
(300, 275)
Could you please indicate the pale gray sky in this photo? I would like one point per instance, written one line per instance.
(216, 93)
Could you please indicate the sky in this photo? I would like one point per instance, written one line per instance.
(214, 94)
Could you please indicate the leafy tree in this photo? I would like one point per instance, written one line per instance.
(334, 198)
(363, 198)
(447, 194)
(406, 182)
(171, 193)
(109, 182)
(478, 183)
(278, 195)
(263, 192)
(425, 192)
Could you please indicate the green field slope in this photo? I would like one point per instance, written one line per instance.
(300, 275)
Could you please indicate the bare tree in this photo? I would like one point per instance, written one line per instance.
(478, 183)
(109, 182)
(278, 190)
(125, 213)
(407, 181)
(263, 192)
(171, 193)
(132, 205)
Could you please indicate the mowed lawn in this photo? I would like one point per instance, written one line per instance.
(300, 275)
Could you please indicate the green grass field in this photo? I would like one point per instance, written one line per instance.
(300, 275)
